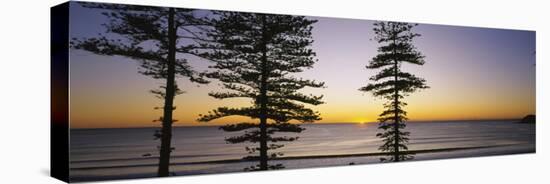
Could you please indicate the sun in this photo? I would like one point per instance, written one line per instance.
(361, 120)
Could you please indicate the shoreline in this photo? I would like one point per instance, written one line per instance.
(436, 150)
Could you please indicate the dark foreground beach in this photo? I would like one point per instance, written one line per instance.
(118, 153)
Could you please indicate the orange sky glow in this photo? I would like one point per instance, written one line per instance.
(473, 73)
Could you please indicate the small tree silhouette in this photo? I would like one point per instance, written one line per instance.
(255, 57)
(393, 84)
(150, 36)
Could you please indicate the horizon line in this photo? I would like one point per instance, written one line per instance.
(345, 122)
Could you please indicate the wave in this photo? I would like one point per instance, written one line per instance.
(280, 158)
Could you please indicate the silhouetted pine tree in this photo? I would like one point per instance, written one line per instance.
(150, 35)
(255, 58)
(393, 84)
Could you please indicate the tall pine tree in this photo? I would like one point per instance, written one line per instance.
(256, 56)
(153, 36)
(393, 84)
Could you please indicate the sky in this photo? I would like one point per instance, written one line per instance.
(473, 74)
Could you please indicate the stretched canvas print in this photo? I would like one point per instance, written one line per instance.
(145, 91)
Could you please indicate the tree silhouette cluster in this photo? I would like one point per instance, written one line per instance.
(256, 57)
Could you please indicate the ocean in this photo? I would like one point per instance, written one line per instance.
(123, 153)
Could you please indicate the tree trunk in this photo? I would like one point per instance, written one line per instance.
(396, 112)
(396, 120)
(263, 101)
(166, 137)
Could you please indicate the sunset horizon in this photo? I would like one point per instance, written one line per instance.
(199, 124)
(466, 82)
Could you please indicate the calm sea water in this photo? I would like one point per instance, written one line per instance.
(119, 153)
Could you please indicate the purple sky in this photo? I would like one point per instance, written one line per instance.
(474, 73)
